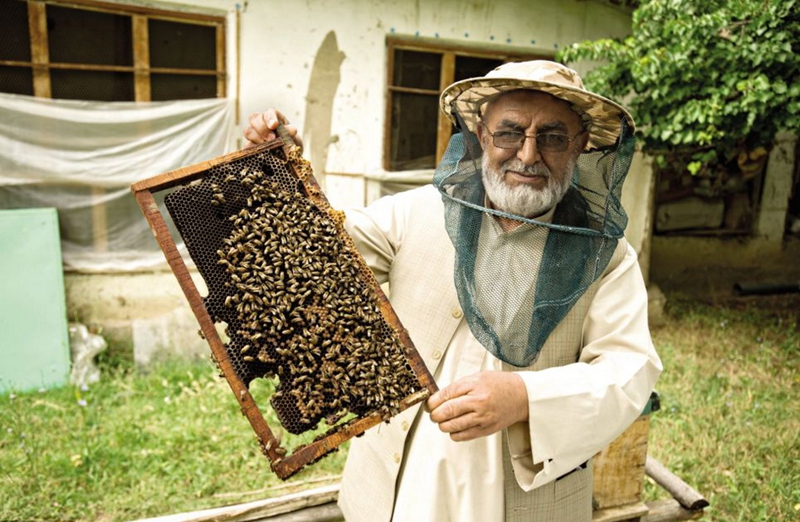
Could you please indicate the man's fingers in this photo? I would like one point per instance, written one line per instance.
(450, 392)
(262, 128)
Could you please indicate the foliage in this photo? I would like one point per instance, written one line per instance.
(710, 79)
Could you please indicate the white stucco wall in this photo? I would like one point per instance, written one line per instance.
(323, 62)
(279, 42)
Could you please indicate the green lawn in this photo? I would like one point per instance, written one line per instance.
(139, 444)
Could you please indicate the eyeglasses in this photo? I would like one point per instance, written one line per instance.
(545, 142)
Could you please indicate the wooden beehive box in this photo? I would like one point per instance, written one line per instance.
(619, 471)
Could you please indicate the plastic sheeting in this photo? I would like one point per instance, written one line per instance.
(81, 157)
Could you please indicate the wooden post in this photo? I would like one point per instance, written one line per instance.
(40, 54)
(444, 126)
(141, 58)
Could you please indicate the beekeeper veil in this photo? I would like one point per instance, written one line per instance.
(515, 286)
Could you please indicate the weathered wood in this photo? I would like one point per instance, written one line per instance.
(444, 126)
(680, 490)
(222, 79)
(40, 54)
(141, 58)
(619, 469)
(670, 511)
(630, 513)
(259, 509)
(324, 513)
(177, 15)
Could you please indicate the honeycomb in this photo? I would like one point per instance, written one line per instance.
(300, 305)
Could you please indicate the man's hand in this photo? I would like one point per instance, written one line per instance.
(261, 128)
(479, 405)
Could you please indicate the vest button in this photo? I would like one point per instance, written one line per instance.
(457, 313)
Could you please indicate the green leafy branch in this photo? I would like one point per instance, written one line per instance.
(706, 80)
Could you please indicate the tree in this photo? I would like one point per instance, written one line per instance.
(708, 80)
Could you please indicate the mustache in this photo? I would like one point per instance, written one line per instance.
(537, 169)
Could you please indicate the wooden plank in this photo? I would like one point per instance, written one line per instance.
(128, 68)
(498, 51)
(444, 126)
(413, 90)
(629, 513)
(221, 77)
(680, 490)
(670, 511)
(40, 54)
(387, 104)
(192, 172)
(141, 58)
(109, 7)
(259, 509)
(619, 469)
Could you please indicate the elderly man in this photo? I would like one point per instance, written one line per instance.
(520, 293)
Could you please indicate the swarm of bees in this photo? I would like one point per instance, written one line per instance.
(305, 309)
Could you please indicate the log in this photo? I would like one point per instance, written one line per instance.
(680, 490)
(670, 511)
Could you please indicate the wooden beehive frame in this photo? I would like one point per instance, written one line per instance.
(282, 464)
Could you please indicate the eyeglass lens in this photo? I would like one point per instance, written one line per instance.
(547, 141)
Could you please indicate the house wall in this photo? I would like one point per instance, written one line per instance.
(711, 266)
(323, 63)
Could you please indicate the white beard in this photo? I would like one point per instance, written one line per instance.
(524, 200)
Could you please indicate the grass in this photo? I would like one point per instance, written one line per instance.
(133, 446)
(138, 445)
(729, 421)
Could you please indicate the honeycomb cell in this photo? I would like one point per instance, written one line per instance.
(300, 304)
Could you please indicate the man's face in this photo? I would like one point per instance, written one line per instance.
(529, 180)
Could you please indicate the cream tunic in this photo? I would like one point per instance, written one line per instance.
(593, 378)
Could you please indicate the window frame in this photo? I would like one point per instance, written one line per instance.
(41, 65)
(449, 51)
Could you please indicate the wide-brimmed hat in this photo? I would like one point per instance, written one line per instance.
(470, 96)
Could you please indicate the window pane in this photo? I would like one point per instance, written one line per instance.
(89, 37)
(184, 46)
(16, 80)
(414, 118)
(92, 85)
(14, 33)
(417, 69)
(182, 87)
(469, 67)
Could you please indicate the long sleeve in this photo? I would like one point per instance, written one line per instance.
(576, 410)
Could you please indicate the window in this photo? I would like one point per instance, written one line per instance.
(417, 133)
(87, 50)
(102, 51)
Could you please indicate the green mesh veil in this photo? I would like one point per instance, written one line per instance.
(516, 288)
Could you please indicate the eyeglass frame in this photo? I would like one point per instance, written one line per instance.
(533, 136)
